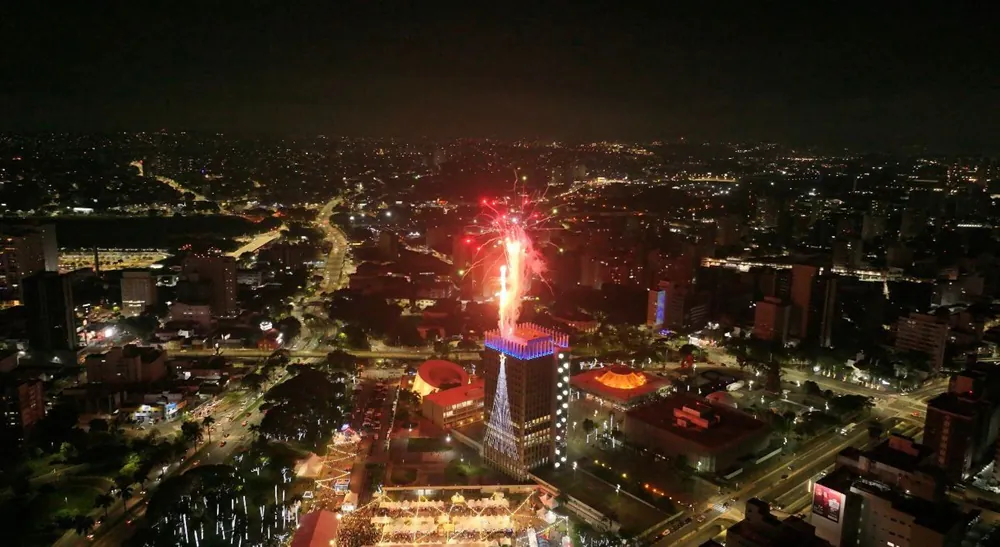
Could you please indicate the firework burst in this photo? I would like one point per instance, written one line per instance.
(519, 258)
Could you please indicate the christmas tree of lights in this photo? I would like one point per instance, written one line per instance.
(499, 431)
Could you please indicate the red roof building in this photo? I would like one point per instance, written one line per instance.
(316, 529)
(618, 385)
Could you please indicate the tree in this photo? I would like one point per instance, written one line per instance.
(99, 425)
(191, 432)
(125, 494)
(341, 360)
(83, 524)
(812, 388)
(589, 426)
(253, 381)
(64, 521)
(67, 451)
(104, 501)
(207, 423)
(850, 405)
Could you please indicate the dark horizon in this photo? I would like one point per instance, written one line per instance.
(879, 78)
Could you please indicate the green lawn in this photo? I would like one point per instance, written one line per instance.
(69, 499)
(403, 475)
(427, 444)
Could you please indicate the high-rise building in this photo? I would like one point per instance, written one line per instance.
(50, 247)
(526, 399)
(138, 291)
(220, 272)
(814, 304)
(770, 321)
(901, 463)
(22, 405)
(923, 333)
(868, 505)
(872, 226)
(48, 301)
(677, 305)
(961, 424)
(126, 365)
(22, 253)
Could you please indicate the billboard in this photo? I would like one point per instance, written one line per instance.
(827, 503)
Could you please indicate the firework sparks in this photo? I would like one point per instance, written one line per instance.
(520, 261)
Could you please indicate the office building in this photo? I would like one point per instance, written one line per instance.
(901, 463)
(220, 273)
(22, 253)
(50, 247)
(48, 302)
(771, 317)
(961, 424)
(22, 405)
(126, 365)
(526, 376)
(850, 509)
(759, 528)
(923, 333)
(677, 305)
(456, 406)
(711, 437)
(872, 226)
(814, 305)
(138, 291)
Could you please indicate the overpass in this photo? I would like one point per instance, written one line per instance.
(321, 354)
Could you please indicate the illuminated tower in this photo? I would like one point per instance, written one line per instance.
(527, 399)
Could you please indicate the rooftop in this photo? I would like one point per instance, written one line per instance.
(731, 428)
(528, 341)
(953, 404)
(455, 395)
(617, 382)
(940, 516)
(897, 453)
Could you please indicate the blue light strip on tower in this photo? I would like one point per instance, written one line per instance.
(521, 352)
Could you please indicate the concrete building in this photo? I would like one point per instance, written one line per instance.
(197, 313)
(872, 226)
(814, 305)
(126, 365)
(455, 407)
(138, 291)
(961, 425)
(850, 509)
(677, 305)
(220, 272)
(759, 528)
(22, 405)
(48, 301)
(901, 463)
(50, 247)
(526, 376)
(771, 318)
(924, 333)
(22, 253)
(712, 437)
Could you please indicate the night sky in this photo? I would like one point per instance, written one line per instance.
(856, 76)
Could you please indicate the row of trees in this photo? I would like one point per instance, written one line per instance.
(305, 408)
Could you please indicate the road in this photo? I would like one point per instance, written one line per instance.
(335, 272)
(389, 353)
(229, 427)
(257, 242)
(787, 483)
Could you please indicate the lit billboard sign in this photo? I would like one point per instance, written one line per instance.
(827, 503)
